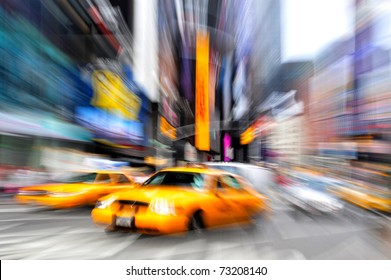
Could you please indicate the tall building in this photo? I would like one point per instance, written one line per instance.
(194, 40)
(266, 55)
(263, 75)
(331, 101)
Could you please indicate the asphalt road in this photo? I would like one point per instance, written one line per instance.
(285, 235)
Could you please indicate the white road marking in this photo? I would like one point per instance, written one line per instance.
(97, 247)
(43, 219)
(41, 232)
(21, 210)
(63, 243)
(17, 240)
(118, 248)
(283, 254)
(4, 227)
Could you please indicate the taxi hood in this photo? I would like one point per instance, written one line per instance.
(57, 187)
(146, 194)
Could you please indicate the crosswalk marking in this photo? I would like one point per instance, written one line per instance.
(20, 238)
(63, 245)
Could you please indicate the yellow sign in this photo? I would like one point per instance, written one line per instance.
(247, 136)
(112, 95)
(202, 136)
(155, 161)
(167, 129)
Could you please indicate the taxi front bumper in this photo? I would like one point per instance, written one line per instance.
(147, 222)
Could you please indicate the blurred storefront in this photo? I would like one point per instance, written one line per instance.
(38, 91)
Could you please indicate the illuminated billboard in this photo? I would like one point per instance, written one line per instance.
(112, 114)
(112, 95)
(228, 150)
(108, 126)
(247, 136)
(167, 129)
(202, 137)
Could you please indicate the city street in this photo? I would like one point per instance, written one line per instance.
(285, 235)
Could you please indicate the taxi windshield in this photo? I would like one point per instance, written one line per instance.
(78, 178)
(171, 178)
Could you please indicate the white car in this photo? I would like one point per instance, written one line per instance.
(261, 178)
(310, 194)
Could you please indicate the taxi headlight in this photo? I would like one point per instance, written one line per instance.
(102, 204)
(162, 207)
(64, 194)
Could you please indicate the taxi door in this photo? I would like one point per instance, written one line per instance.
(228, 201)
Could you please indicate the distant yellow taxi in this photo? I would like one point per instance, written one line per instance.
(77, 190)
(181, 199)
(365, 197)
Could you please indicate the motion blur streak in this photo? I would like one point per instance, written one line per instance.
(293, 96)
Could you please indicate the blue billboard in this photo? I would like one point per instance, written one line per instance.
(111, 127)
(116, 110)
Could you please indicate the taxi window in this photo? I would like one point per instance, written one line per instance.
(198, 181)
(170, 178)
(230, 181)
(121, 179)
(156, 180)
(79, 178)
(103, 178)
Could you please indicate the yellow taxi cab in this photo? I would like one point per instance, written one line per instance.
(365, 197)
(82, 188)
(181, 199)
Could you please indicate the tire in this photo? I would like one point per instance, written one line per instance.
(196, 224)
(112, 228)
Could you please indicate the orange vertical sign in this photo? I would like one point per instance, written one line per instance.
(167, 129)
(202, 137)
(247, 136)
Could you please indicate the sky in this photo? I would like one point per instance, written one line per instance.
(310, 25)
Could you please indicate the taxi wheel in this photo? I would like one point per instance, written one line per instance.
(110, 229)
(196, 225)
